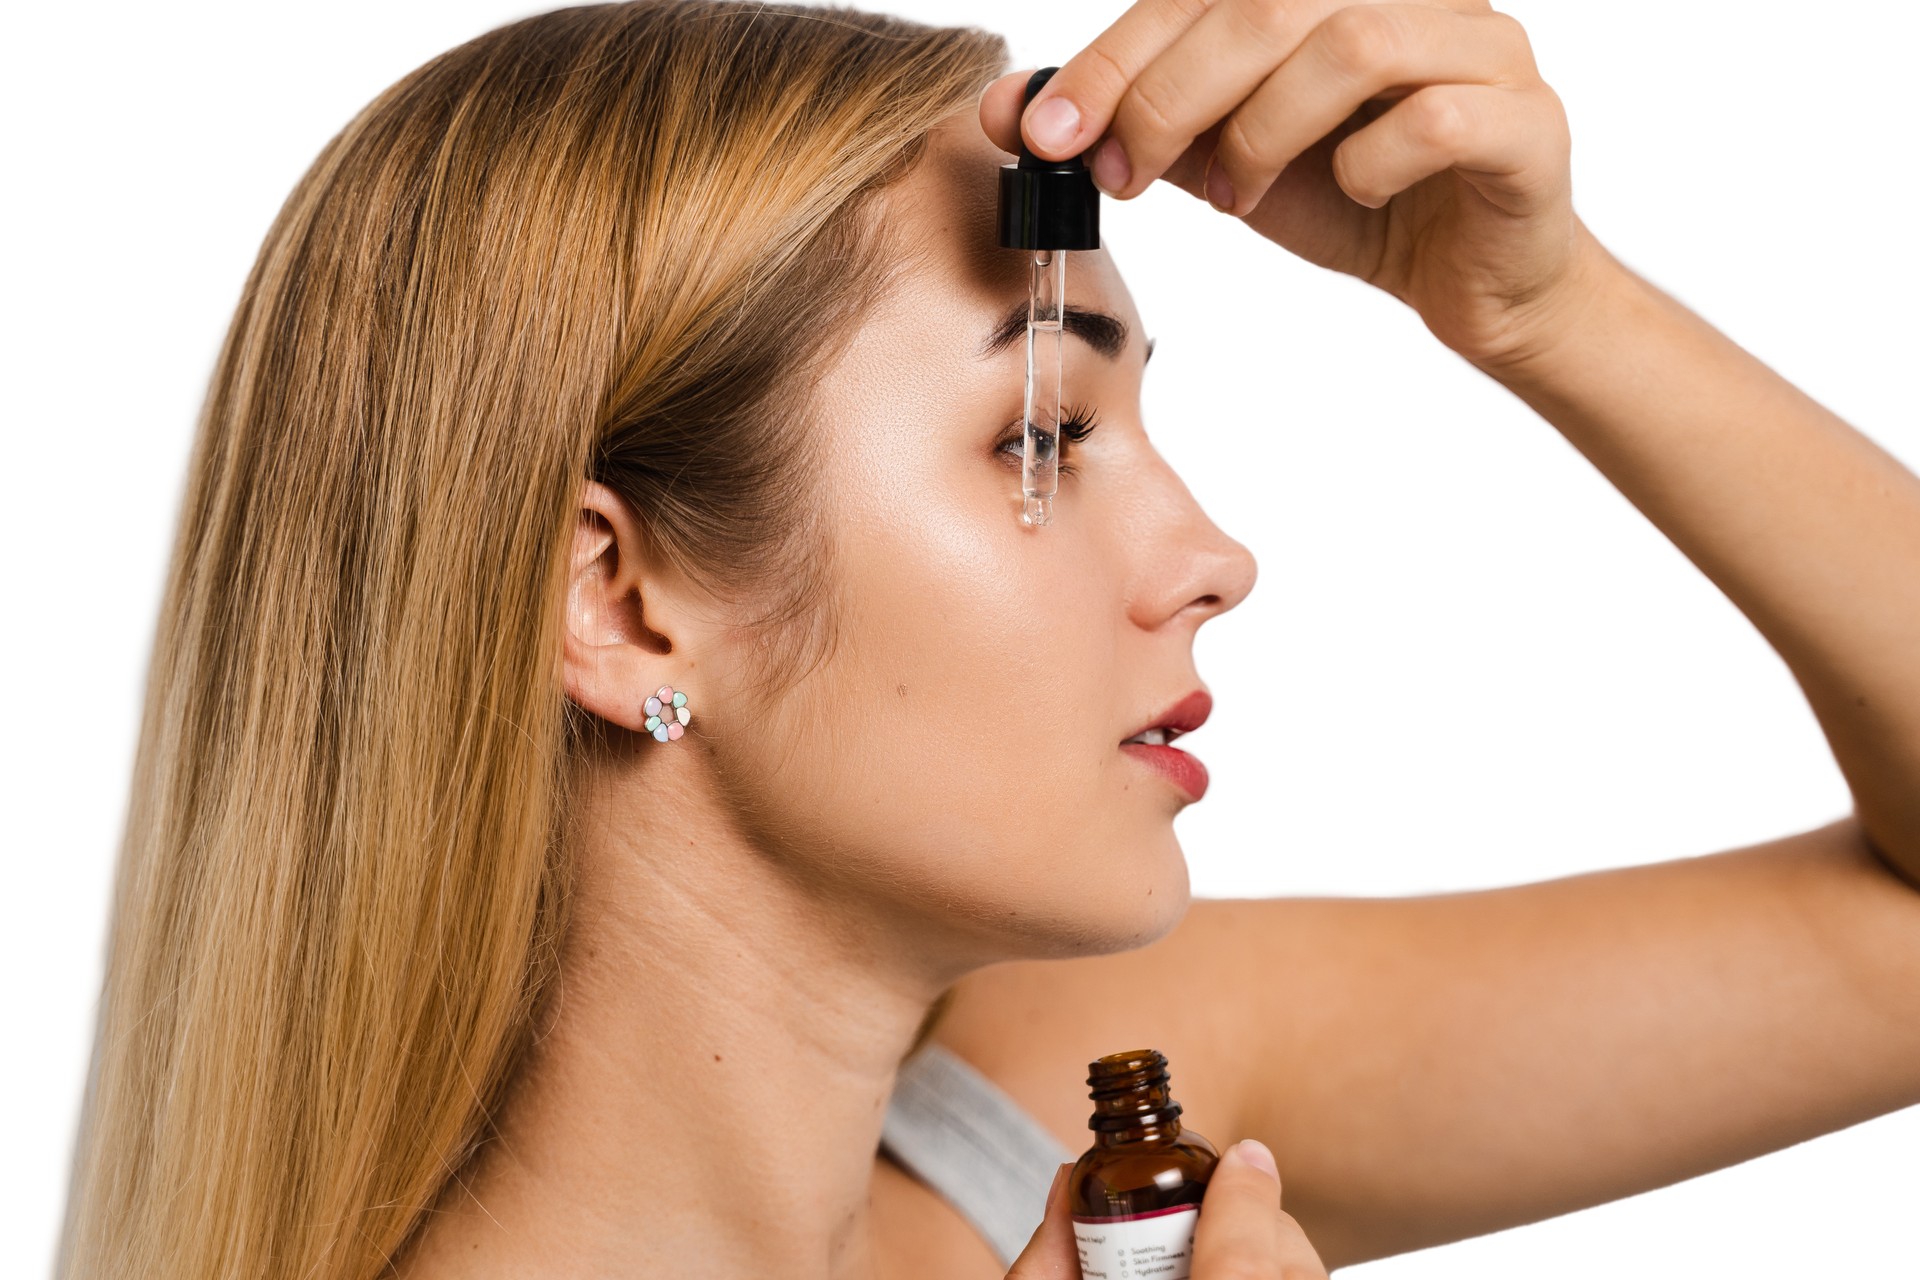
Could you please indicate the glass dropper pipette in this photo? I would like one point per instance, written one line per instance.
(1047, 207)
(1040, 472)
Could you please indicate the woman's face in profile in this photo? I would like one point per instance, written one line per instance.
(960, 751)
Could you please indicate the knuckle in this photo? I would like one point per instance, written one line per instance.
(1509, 39)
(1152, 103)
(1512, 31)
(1438, 120)
(1104, 69)
(1265, 18)
(1239, 148)
(1361, 37)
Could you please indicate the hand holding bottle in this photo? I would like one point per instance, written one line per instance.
(1243, 1232)
(1414, 146)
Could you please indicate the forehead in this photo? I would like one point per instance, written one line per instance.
(943, 215)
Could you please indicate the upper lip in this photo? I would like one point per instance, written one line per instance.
(1182, 717)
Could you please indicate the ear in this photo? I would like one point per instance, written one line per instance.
(618, 637)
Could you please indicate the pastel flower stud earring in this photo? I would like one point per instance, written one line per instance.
(667, 713)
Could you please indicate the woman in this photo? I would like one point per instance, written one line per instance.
(651, 346)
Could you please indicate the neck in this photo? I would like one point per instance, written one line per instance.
(710, 1076)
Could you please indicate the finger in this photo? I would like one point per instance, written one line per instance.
(1204, 74)
(1242, 1230)
(1000, 109)
(1051, 1253)
(1000, 119)
(1189, 170)
(1084, 92)
(1354, 55)
(1510, 145)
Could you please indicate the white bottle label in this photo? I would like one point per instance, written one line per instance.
(1138, 1246)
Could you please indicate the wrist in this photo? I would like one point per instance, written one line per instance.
(1563, 317)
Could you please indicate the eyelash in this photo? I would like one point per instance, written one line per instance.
(1076, 424)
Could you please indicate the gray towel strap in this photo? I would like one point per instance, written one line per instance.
(962, 1135)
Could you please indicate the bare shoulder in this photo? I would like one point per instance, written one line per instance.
(1033, 1026)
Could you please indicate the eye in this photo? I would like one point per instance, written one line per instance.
(1076, 424)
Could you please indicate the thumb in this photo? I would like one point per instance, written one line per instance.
(1052, 1253)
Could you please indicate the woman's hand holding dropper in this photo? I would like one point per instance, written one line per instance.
(1243, 1232)
(1414, 146)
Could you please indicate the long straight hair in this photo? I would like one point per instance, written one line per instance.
(606, 242)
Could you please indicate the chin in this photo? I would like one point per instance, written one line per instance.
(1108, 904)
(1163, 903)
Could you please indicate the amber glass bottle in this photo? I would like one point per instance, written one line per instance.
(1135, 1194)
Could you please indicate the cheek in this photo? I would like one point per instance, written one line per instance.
(987, 647)
(961, 744)
(1000, 660)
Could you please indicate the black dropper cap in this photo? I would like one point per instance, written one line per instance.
(1047, 204)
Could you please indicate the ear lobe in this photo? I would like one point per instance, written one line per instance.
(611, 656)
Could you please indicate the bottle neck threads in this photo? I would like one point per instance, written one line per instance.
(1131, 1098)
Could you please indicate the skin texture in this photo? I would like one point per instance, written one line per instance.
(767, 907)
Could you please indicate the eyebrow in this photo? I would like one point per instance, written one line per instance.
(1104, 332)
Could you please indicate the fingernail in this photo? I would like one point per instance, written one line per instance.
(1059, 1181)
(1110, 168)
(1053, 122)
(1254, 1152)
(1219, 190)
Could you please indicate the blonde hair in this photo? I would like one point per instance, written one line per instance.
(606, 242)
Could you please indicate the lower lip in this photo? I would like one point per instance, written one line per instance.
(1186, 771)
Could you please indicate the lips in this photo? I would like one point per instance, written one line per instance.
(1183, 716)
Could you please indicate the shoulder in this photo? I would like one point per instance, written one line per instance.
(1033, 1026)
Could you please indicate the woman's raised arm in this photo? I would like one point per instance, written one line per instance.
(1808, 526)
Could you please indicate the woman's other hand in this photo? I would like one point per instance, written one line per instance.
(1242, 1233)
(1414, 146)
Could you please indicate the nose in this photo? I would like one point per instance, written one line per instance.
(1191, 569)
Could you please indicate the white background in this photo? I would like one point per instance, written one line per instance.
(1468, 660)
